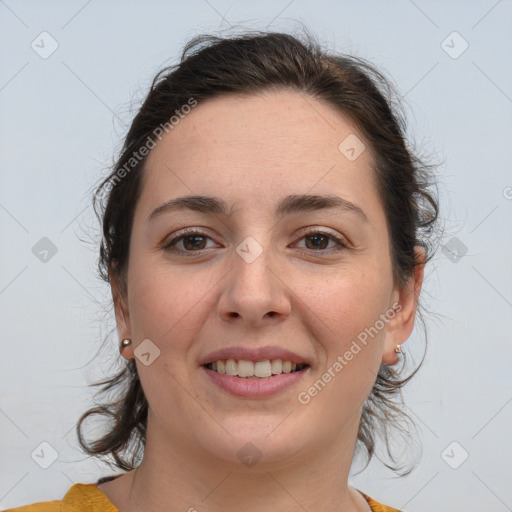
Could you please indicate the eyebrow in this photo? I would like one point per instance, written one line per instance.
(289, 205)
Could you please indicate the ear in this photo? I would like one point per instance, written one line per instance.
(122, 313)
(400, 326)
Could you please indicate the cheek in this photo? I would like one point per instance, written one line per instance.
(168, 307)
(348, 303)
(345, 321)
(165, 302)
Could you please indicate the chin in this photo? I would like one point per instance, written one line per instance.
(255, 443)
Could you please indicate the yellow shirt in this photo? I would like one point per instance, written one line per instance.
(88, 498)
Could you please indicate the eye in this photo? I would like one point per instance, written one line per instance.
(318, 241)
(190, 240)
(193, 240)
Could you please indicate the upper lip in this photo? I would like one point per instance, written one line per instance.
(252, 354)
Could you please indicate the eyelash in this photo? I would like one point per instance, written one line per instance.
(169, 246)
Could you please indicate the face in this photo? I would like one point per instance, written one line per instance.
(259, 272)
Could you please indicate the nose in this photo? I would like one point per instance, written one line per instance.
(254, 293)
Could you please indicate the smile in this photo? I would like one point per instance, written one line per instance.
(254, 369)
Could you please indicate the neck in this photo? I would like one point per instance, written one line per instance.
(183, 478)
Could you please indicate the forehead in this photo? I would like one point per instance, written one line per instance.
(271, 143)
(285, 118)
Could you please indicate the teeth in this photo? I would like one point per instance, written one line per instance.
(277, 366)
(263, 369)
(249, 369)
(245, 368)
(231, 367)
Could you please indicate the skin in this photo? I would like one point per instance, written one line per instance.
(251, 151)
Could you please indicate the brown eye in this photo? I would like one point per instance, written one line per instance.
(188, 242)
(193, 242)
(318, 241)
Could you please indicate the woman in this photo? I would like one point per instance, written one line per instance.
(265, 234)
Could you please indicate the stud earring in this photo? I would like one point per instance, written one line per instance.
(125, 342)
(398, 349)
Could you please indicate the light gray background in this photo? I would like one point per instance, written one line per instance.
(62, 119)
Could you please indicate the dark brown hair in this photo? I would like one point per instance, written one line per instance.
(212, 66)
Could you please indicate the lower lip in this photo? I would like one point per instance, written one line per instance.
(254, 388)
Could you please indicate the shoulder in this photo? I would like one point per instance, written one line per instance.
(47, 506)
(378, 507)
(88, 498)
(79, 498)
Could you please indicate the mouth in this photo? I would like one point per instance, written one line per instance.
(254, 372)
(246, 369)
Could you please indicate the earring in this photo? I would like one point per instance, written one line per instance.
(125, 342)
(398, 349)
